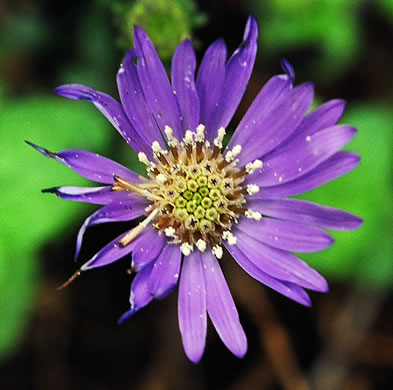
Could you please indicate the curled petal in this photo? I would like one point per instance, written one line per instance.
(221, 307)
(110, 108)
(92, 166)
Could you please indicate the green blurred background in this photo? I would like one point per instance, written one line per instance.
(69, 339)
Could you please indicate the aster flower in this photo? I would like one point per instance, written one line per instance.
(199, 198)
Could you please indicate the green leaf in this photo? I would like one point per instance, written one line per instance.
(364, 255)
(28, 217)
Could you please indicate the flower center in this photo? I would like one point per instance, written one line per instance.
(196, 192)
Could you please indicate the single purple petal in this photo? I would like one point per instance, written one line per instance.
(310, 213)
(221, 307)
(288, 69)
(149, 247)
(183, 82)
(92, 166)
(211, 75)
(134, 101)
(156, 87)
(290, 290)
(269, 98)
(140, 295)
(120, 210)
(237, 74)
(280, 264)
(302, 156)
(110, 108)
(286, 235)
(192, 307)
(165, 272)
(271, 128)
(337, 165)
(95, 195)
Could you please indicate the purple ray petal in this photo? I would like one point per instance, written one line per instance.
(148, 248)
(221, 307)
(94, 195)
(121, 210)
(280, 264)
(92, 166)
(165, 272)
(270, 98)
(134, 101)
(272, 128)
(306, 212)
(286, 235)
(303, 155)
(183, 82)
(192, 307)
(237, 74)
(290, 290)
(110, 108)
(156, 87)
(211, 75)
(337, 165)
(140, 295)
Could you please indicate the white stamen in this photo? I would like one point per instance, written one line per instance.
(188, 138)
(200, 135)
(233, 153)
(149, 208)
(253, 215)
(217, 251)
(201, 245)
(186, 248)
(220, 137)
(252, 189)
(172, 141)
(161, 179)
(251, 167)
(170, 231)
(143, 159)
(227, 235)
(156, 147)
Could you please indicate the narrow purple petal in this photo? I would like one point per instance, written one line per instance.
(270, 98)
(271, 128)
(140, 295)
(303, 155)
(183, 82)
(288, 69)
(156, 87)
(280, 264)
(221, 307)
(149, 247)
(337, 165)
(237, 74)
(211, 75)
(92, 166)
(94, 195)
(134, 101)
(192, 307)
(290, 290)
(307, 212)
(286, 235)
(165, 273)
(109, 107)
(120, 210)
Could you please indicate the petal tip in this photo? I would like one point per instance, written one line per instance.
(288, 69)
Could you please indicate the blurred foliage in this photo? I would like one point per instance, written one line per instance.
(363, 256)
(331, 27)
(167, 23)
(30, 218)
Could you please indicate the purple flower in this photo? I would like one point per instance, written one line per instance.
(197, 198)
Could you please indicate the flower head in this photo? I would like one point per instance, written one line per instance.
(199, 198)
